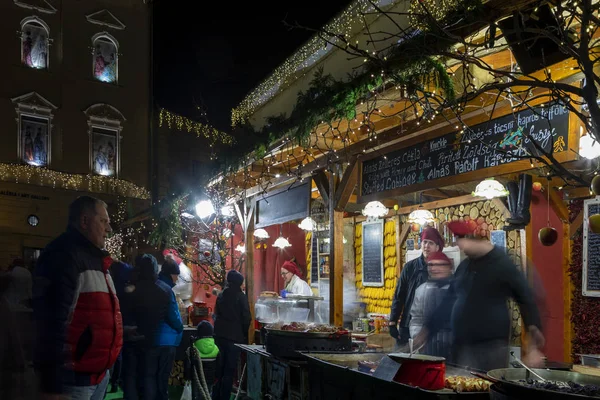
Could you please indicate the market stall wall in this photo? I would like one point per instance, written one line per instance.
(487, 217)
(547, 276)
(585, 311)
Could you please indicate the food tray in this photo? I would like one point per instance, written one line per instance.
(322, 335)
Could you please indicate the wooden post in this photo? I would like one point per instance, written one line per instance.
(336, 258)
(249, 242)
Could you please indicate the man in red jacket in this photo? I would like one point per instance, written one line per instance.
(76, 308)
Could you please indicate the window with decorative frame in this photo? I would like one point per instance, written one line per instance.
(34, 129)
(35, 43)
(105, 65)
(105, 124)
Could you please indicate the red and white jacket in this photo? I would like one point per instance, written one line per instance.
(79, 324)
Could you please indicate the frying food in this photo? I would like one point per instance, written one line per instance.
(570, 387)
(467, 384)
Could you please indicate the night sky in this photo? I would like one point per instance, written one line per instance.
(214, 53)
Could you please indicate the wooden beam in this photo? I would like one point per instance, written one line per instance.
(249, 242)
(336, 258)
(400, 237)
(567, 293)
(347, 186)
(443, 193)
(322, 183)
(442, 203)
(578, 193)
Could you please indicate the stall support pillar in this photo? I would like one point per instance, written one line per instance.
(249, 242)
(336, 258)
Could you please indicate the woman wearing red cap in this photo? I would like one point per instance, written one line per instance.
(293, 283)
(413, 275)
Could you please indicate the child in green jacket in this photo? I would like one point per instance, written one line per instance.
(206, 343)
(203, 369)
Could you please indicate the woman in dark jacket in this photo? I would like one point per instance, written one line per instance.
(232, 321)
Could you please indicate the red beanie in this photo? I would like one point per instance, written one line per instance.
(174, 254)
(432, 234)
(439, 256)
(291, 267)
(460, 228)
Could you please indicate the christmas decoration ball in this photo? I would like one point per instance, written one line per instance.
(595, 186)
(396, 207)
(206, 253)
(416, 227)
(547, 236)
(537, 186)
(594, 223)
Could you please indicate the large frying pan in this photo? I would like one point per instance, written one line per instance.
(508, 381)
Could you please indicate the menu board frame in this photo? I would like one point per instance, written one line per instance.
(366, 225)
(447, 139)
(586, 234)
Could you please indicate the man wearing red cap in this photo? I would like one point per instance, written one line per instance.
(428, 298)
(476, 306)
(413, 275)
(293, 283)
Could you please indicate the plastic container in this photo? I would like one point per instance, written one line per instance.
(590, 360)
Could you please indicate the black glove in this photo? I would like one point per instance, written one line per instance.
(394, 332)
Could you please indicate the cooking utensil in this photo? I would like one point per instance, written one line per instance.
(426, 372)
(512, 353)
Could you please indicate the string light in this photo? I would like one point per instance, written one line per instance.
(214, 136)
(24, 173)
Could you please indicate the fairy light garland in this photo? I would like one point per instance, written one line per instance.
(181, 123)
(24, 173)
(345, 24)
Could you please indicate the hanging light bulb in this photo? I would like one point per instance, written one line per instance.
(375, 209)
(261, 234)
(588, 147)
(205, 209)
(227, 211)
(489, 189)
(307, 224)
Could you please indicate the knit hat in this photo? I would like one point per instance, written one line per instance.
(432, 234)
(170, 267)
(235, 278)
(460, 228)
(291, 267)
(147, 266)
(439, 256)
(204, 329)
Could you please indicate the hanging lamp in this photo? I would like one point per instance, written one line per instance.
(420, 216)
(375, 209)
(261, 234)
(281, 242)
(490, 188)
(307, 224)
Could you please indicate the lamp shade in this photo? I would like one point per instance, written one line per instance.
(261, 234)
(421, 216)
(489, 189)
(282, 243)
(307, 224)
(375, 209)
(588, 147)
(205, 209)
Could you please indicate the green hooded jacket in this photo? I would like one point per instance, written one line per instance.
(207, 347)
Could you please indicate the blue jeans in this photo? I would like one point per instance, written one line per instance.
(227, 361)
(158, 363)
(95, 392)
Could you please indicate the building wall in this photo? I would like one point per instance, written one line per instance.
(68, 84)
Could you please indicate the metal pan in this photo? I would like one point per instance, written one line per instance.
(305, 334)
(508, 379)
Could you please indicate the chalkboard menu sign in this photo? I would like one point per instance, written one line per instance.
(490, 144)
(591, 251)
(372, 253)
(314, 261)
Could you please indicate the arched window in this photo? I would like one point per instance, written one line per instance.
(34, 43)
(105, 58)
(105, 124)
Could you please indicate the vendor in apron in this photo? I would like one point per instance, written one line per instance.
(290, 272)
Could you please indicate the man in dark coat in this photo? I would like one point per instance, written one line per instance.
(232, 321)
(476, 305)
(413, 275)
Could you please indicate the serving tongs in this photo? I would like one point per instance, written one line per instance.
(532, 372)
